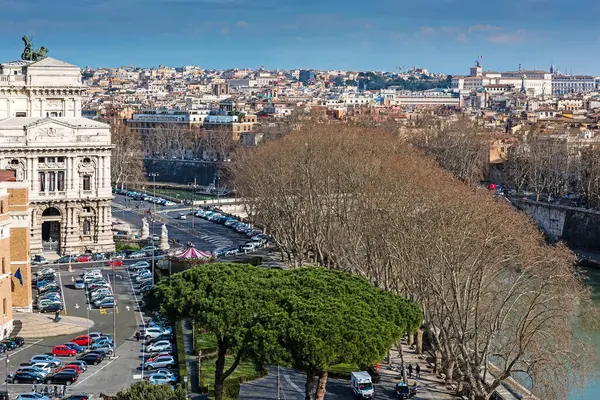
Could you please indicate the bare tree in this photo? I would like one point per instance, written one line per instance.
(498, 302)
(127, 162)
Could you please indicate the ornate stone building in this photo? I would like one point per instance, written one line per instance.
(63, 157)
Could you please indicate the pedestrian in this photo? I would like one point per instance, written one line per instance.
(57, 316)
(34, 388)
(410, 370)
(418, 371)
(137, 335)
(64, 390)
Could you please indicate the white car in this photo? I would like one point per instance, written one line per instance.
(47, 367)
(47, 302)
(100, 296)
(139, 264)
(45, 271)
(159, 346)
(153, 332)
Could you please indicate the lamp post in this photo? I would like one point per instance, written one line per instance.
(114, 316)
(6, 360)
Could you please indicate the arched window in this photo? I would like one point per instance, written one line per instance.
(86, 227)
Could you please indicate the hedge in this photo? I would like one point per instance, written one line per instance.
(181, 356)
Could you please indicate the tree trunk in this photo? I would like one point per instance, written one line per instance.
(402, 369)
(437, 368)
(420, 341)
(411, 338)
(219, 376)
(310, 385)
(321, 384)
(449, 371)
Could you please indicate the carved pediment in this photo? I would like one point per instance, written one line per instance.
(50, 133)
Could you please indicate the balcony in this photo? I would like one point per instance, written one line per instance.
(12, 80)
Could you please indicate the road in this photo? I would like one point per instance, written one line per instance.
(292, 383)
(205, 235)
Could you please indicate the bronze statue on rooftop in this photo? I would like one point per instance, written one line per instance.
(29, 54)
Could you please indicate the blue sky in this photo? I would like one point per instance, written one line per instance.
(442, 35)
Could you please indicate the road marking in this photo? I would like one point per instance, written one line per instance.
(77, 306)
(72, 279)
(137, 376)
(12, 353)
(127, 308)
(95, 372)
(103, 311)
(292, 384)
(62, 293)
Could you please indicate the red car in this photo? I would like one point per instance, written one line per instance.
(115, 263)
(70, 367)
(62, 350)
(83, 258)
(82, 340)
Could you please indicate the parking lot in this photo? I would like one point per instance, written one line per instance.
(113, 373)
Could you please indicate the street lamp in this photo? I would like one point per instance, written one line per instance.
(6, 359)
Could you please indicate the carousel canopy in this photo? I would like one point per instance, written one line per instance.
(193, 253)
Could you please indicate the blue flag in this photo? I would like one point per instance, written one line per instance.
(19, 276)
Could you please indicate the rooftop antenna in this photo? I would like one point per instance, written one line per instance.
(520, 67)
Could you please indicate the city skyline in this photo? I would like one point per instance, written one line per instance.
(441, 35)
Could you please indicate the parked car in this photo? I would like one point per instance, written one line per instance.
(107, 302)
(115, 263)
(103, 346)
(152, 332)
(105, 339)
(172, 376)
(70, 367)
(45, 366)
(143, 289)
(10, 345)
(63, 351)
(65, 259)
(160, 362)
(81, 364)
(33, 368)
(66, 377)
(159, 379)
(75, 346)
(44, 358)
(32, 396)
(84, 258)
(91, 358)
(139, 264)
(38, 260)
(97, 257)
(51, 308)
(100, 295)
(18, 340)
(161, 345)
(137, 254)
(163, 336)
(82, 340)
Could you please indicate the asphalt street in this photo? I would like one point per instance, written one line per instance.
(205, 235)
(292, 383)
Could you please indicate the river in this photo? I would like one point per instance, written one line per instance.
(592, 390)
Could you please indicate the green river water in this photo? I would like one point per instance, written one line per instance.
(592, 390)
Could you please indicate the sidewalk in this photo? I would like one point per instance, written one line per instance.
(430, 386)
(33, 325)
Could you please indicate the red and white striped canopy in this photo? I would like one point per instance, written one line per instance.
(193, 253)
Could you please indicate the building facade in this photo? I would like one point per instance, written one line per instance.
(63, 157)
(565, 84)
(15, 259)
(6, 319)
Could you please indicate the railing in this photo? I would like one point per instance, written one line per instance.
(11, 79)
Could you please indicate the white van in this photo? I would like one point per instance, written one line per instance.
(361, 385)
